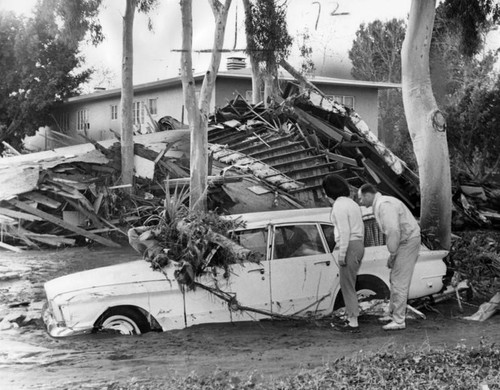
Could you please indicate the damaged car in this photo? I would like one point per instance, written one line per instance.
(297, 277)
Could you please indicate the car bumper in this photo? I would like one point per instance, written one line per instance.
(59, 329)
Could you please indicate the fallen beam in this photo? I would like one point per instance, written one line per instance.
(19, 215)
(10, 247)
(42, 214)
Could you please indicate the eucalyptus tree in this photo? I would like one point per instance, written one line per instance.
(198, 109)
(426, 123)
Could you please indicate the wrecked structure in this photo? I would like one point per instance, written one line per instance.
(261, 159)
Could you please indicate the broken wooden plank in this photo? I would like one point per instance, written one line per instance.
(342, 159)
(23, 206)
(42, 199)
(50, 239)
(214, 180)
(10, 247)
(19, 215)
(309, 121)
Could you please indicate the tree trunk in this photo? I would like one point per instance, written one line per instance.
(426, 124)
(256, 73)
(270, 82)
(127, 95)
(198, 114)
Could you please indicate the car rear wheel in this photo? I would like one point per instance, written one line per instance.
(124, 320)
(368, 287)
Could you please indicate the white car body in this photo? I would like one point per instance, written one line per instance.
(302, 285)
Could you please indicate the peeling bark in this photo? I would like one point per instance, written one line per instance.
(198, 111)
(426, 124)
(254, 64)
(127, 95)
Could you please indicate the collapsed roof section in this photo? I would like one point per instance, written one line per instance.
(294, 145)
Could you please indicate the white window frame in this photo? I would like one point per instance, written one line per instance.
(342, 100)
(153, 106)
(114, 112)
(82, 120)
(138, 112)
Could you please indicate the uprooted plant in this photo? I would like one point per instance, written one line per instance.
(192, 240)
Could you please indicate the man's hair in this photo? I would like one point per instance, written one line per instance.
(335, 186)
(368, 188)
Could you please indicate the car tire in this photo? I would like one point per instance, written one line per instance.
(368, 287)
(124, 320)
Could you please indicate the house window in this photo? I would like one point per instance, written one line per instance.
(138, 113)
(114, 112)
(153, 106)
(82, 120)
(347, 101)
(62, 122)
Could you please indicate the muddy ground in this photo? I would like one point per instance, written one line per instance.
(29, 358)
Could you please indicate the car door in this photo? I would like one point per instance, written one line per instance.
(247, 285)
(302, 270)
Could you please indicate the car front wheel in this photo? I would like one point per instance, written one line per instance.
(124, 320)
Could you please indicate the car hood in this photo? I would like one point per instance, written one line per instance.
(126, 273)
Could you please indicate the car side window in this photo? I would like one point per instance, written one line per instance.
(296, 241)
(253, 239)
(329, 236)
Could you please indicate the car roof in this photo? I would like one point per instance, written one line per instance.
(263, 218)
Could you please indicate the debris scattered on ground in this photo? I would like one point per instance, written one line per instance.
(479, 204)
(486, 310)
(475, 256)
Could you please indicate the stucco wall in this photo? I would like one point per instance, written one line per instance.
(366, 99)
(170, 102)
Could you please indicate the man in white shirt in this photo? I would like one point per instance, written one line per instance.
(403, 242)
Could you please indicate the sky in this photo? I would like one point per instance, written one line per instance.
(155, 59)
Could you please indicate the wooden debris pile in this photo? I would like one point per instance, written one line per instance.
(475, 256)
(64, 197)
(479, 204)
(294, 144)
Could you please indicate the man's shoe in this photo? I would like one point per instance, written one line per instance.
(385, 319)
(394, 326)
(346, 328)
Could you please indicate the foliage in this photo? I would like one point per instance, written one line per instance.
(459, 368)
(452, 71)
(185, 232)
(305, 49)
(376, 56)
(376, 52)
(476, 257)
(470, 20)
(39, 69)
(268, 41)
(474, 138)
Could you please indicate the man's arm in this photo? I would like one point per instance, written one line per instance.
(390, 226)
(344, 229)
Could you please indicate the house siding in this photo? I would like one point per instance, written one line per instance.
(170, 102)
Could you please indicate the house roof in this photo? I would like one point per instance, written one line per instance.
(235, 74)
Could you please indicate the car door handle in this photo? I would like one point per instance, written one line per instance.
(327, 262)
(261, 270)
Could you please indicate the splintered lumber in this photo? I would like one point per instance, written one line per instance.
(19, 215)
(307, 120)
(212, 180)
(240, 253)
(486, 310)
(39, 213)
(340, 158)
(10, 247)
(50, 239)
(42, 199)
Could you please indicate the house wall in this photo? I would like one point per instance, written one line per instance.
(365, 99)
(170, 102)
(365, 102)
